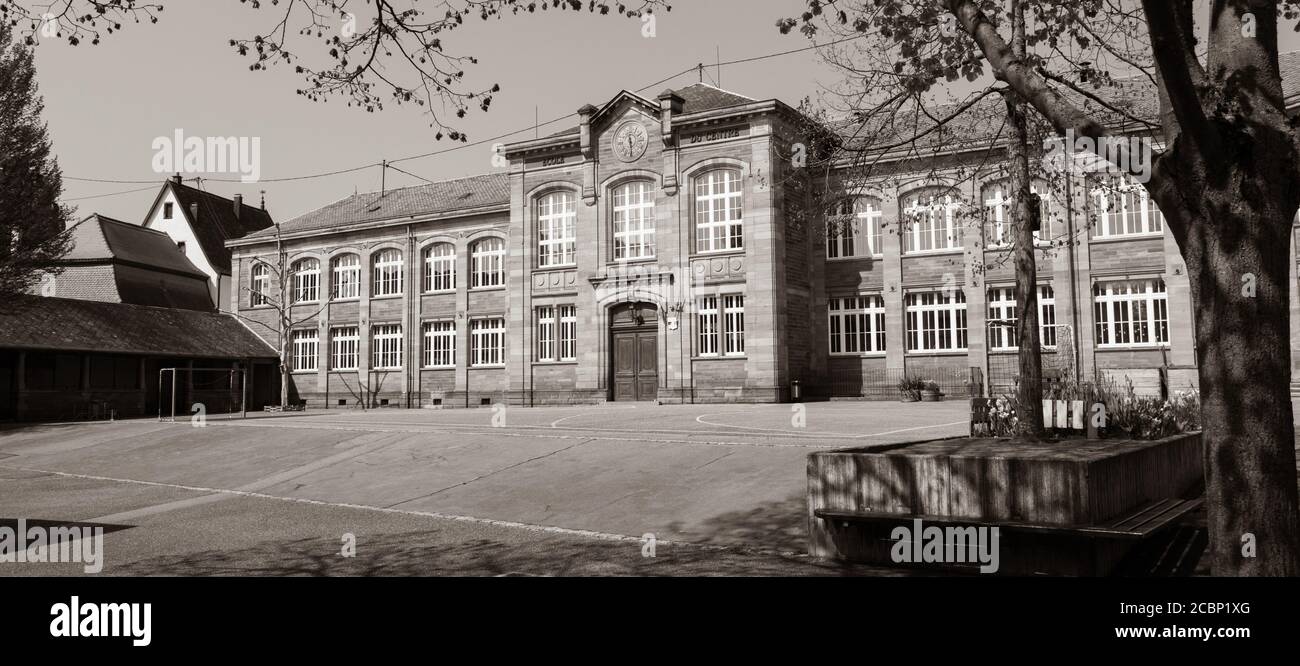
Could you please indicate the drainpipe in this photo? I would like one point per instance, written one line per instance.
(1073, 270)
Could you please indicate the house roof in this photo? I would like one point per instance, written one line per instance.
(65, 324)
(102, 238)
(217, 221)
(448, 196)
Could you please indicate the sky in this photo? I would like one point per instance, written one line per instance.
(106, 104)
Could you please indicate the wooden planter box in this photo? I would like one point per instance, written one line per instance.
(988, 480)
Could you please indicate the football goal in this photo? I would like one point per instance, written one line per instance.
(193, 393)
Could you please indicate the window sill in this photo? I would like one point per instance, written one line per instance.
(297, 303)
(858, 354)
(386, 297)
(493, 288)
(739, 251)
(934, 253)
(943, 352)
(858, 257)
(1134, 347)
(349, 299)
(731, 357)
(555, 267)
(438, 367)
(339, 371)
(496, 366)
(637, 260)
(1127, 237)
(386, 369)
(303, 372)
(438, 292)
(548, 363)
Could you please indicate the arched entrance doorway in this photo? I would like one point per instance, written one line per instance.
(634, 330)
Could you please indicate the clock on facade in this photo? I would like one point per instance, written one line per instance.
(630, 141)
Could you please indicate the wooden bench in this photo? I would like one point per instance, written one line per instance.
(1137, 524)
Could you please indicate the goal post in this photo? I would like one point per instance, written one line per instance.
(188, 392)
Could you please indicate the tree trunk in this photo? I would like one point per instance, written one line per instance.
(1029, 390)
(1240, 283)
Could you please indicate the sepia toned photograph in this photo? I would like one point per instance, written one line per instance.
(907, 294)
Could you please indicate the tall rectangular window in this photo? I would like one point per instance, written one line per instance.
(719, 220)
(857, 325)
(556, 229)
(936, 321)
(546, 331)
(305, 347)
(439, 344)
(854, 229)
(386, 346)
(1122, 207)
(634, 221)
(1131, 312)
(568, 333)
(487, 339)
(720, 325)
(1046, 316)
(932, 224)
(1002, 321)
(345, 344)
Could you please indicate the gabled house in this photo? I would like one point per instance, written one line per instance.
(200, 223)
(118, 262)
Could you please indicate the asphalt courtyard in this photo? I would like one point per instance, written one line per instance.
(584, 490)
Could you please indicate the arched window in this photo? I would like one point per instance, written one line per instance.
(932, 223)
(260, 285)
(1123, 207)
(440, 267)
(999, 230)
(719, 215)
(556, 229)
(388, 273)
(346, 276)
(487, 263)
(306, 280)
(853, 229)
(634, 220)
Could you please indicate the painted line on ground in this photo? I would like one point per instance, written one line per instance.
(503, 432)
(509, 524)
(700, 419)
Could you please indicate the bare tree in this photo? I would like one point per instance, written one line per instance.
(368, 52)
(1225, 182)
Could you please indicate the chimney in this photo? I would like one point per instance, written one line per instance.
(176, 179)
(194, 211)
(239, 203)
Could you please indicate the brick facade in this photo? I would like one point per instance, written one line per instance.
(780, 268)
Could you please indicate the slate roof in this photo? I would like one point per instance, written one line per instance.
(102, 238)
(217, 222)
(65, 324)
(431, 199)
(696, 98)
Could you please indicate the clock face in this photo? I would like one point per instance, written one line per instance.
(630, 141)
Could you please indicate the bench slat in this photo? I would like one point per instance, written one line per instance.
(1135, 525)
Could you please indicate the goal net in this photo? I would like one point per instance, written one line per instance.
(192, 393)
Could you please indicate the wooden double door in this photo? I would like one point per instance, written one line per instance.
(635, 347)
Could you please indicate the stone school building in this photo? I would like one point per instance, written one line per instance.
(656, 252)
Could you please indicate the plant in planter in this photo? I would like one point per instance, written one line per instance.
(931, 393)
(910, 388)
